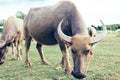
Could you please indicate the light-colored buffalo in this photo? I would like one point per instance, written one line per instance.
(12, 34)
(92, 31)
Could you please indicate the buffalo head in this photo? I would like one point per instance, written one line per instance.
(3, 51)
(80, 47)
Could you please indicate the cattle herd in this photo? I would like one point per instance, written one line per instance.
(60, 24)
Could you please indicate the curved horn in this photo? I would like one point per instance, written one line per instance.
(61, 34)
(2, 43)
(100, 36)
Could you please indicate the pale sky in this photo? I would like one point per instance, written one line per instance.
(92, 10)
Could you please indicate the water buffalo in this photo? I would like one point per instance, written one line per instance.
(12, 33)
(92, 31)
(60, 24)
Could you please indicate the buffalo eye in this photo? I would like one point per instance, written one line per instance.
(73, 51)
(86, 52)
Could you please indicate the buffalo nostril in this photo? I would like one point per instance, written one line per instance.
(78, 75)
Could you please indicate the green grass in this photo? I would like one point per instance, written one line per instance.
(105, 64)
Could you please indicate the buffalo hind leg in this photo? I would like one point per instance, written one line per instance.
(19, 50)
(39, 48)
(27, 45)
(13, 51)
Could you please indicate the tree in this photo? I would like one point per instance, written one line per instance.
(118, 26)
(99, 28)
(2, 22)
(20, 15)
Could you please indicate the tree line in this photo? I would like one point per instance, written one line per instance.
(112, 27)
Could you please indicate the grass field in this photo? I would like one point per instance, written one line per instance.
(105, 64)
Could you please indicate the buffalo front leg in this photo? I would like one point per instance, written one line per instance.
(39, 48)
(65, 55)
(65, 58)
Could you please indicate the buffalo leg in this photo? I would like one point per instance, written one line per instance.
(39, 48)
(19, 50)
(27, 45)
(65, 57)
(13, 52)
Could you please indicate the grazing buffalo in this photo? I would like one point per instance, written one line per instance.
(60, 24)
(92, 31)
(12, 34)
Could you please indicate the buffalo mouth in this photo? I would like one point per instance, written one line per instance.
(1, 62)
(78, 75)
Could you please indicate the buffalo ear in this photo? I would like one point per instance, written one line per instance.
(91, 44)
(91, 53)
(67, 43)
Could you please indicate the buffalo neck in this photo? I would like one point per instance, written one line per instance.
(78, 25)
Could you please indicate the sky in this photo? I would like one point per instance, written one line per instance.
(91, 10)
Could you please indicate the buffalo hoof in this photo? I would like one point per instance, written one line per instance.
(78, 75)
(19, 58)
(44, 62)
(28, 64)
(58, 68)
(13, 59)
(69, 70)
